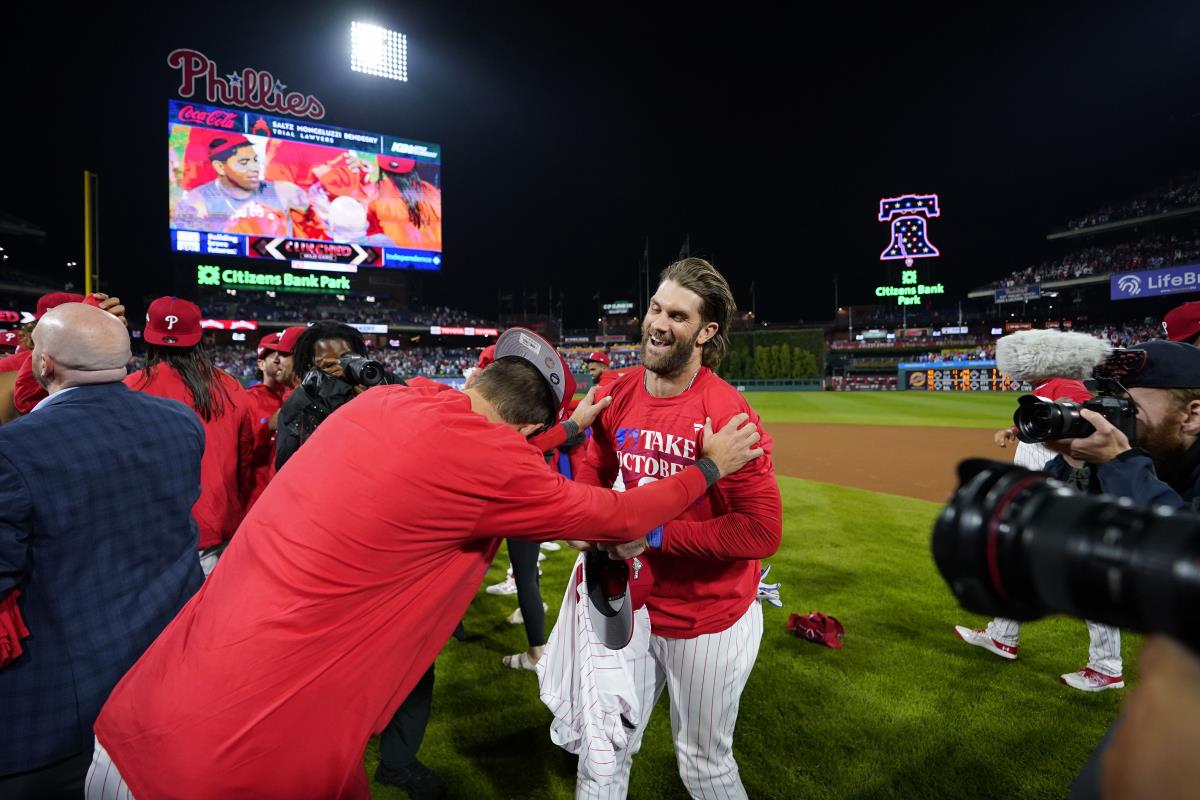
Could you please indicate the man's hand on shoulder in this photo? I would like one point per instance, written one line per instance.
(733, 446)
(589, 408)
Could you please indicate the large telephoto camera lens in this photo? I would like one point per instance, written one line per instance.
(362, 371)
(1018, 544)
(1040, 420)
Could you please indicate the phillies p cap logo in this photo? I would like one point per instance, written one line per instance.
(171, 320)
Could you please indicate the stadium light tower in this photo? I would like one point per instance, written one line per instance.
(378, 51)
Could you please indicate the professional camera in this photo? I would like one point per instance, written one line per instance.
(362, 371)
(1019, 544)
(1040, 420)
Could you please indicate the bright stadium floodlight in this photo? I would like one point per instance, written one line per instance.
(378, 51)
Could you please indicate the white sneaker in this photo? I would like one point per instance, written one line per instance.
(551, 547)
(517, 618)
(541, 556)
(509, 586)
(980, 638)
(1089, 680)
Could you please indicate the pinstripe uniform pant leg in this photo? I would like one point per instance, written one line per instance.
(704, 678)
(103, 781)
(1104, 651)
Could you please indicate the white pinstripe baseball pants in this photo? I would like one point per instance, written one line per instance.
(704, 678)
(103, 781)
(1104, 650)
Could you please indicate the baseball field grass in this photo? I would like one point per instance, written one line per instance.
(905, 710)
(919, 409)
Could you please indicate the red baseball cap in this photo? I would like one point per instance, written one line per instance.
(226, 141)
(283, 341)
(599, 356)
(486, 356)
(10, 339)
(173, 322)
(615, 589)
(528, 345)
(1182, 323)
(54, 300)
(398, 165)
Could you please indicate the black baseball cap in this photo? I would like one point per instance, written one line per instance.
(1169, 365)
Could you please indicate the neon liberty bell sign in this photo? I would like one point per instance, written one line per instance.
(909, 217)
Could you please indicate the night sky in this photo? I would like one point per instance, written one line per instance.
(571, 135)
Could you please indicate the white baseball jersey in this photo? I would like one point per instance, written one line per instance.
(588, 687)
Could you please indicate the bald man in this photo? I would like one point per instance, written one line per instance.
(97, 544)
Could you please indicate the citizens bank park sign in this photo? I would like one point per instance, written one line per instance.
(248, 88)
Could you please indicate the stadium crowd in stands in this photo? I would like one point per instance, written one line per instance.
(307, 308)
(1181, 193)
(1146, 253)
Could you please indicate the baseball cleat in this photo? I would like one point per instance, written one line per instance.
(509, 586)
(551, 547)
(980, 638)
(1089, 680)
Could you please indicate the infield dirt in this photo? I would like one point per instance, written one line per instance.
(914, 462)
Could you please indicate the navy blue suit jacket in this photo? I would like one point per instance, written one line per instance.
(96, 530)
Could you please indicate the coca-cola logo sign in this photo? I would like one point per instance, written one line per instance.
(213, 119)
(250, 88)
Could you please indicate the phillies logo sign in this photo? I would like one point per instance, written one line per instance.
(171, 320)
(250, 88)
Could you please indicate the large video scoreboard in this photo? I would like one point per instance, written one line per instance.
(256, 186)
(957, 376)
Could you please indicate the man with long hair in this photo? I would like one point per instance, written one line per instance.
(178, 368)
(705, 625)
(406, 207)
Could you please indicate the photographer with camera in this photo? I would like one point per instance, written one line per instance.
(1163, 469)
(331, 360)
(1055, 362)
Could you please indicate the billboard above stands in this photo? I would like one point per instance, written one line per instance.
(1155, 282)
(229, 324)
(619, 307)
(444, 330)
(254, 185)
(1018, 294)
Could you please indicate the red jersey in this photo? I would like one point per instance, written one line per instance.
(12, 363)
(27, 392)
(342, 585)
(224, 467)
(706, 572)
(262, 403)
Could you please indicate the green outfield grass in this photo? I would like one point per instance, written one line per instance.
(919, 409)
(905, 710)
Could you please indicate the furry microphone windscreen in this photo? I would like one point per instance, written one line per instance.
(1044, 354)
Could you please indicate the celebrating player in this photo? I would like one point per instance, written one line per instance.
(238, 197)
(349, 575)
(705, 623)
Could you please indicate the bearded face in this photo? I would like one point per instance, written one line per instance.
(672, 329)
(1159, 430)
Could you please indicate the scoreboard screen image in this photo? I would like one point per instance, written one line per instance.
(957, 376)
(252, 185)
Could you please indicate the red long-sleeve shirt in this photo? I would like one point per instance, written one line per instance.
(706, 572)
(339, 589)
(228, 442)
(263, 402)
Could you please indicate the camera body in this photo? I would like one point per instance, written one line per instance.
(362, 371)
(1041, 420)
